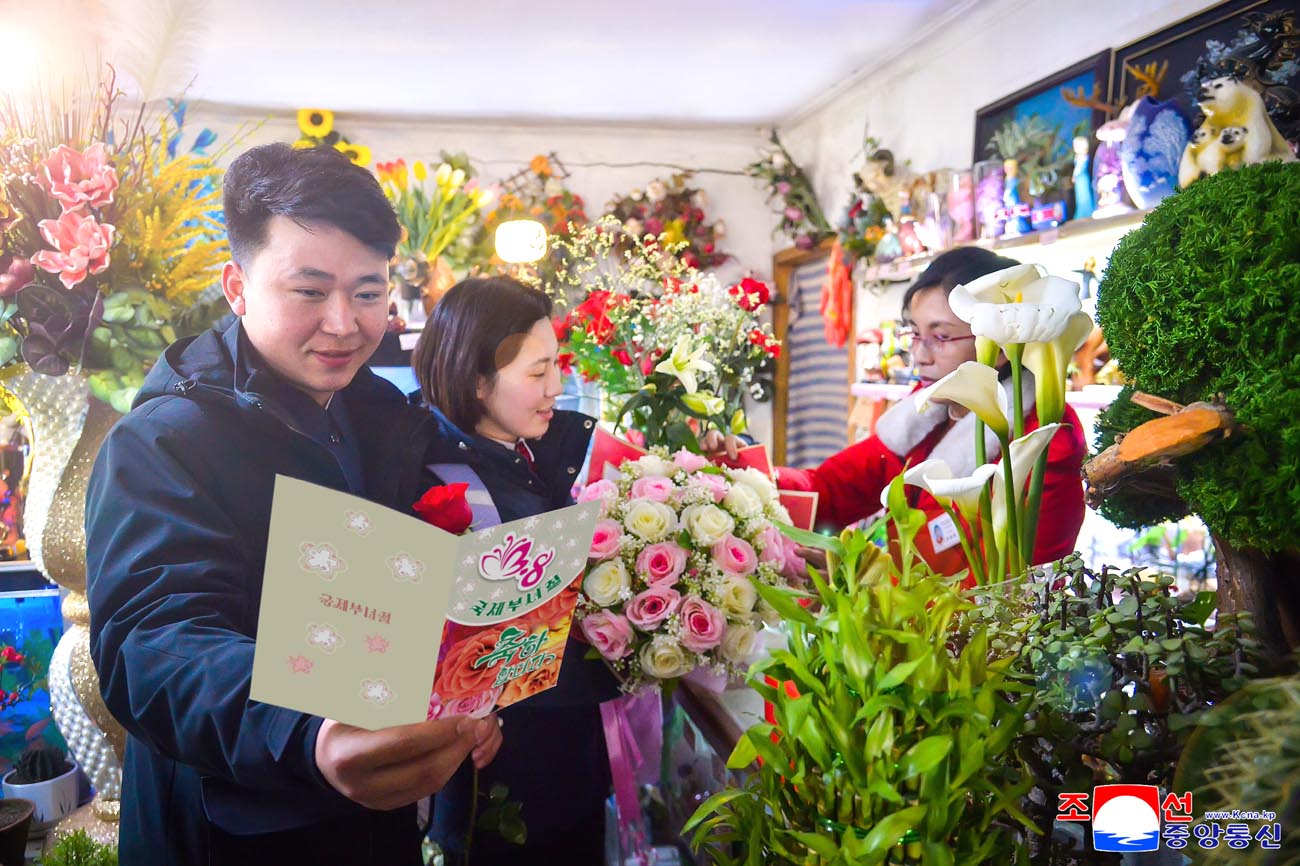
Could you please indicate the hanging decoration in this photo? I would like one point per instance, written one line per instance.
(801, 215)
(671, 214)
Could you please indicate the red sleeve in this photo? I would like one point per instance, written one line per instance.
(848, 484)
(1062, 507)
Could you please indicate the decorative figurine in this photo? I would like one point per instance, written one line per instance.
(1017, 210)
(1084, 200)
(1108, 169)
(961, 207)
(1236, 131)
(988, 197)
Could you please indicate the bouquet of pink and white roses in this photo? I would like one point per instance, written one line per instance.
(670, 585)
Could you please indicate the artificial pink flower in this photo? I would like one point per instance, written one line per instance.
(605, 540)
(661, 563)
(649, 609)
(77, 179)
(80, 247)
(689, 461)
(702, 624)
(735, 556)
(609, 633)
(15, 273)
(653, 487)
(715, 484)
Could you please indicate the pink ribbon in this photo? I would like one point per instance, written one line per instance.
(626, 758)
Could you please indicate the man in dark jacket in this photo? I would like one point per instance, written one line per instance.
(177, 517)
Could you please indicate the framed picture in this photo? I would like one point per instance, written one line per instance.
(1046, 99)
(1257, 40)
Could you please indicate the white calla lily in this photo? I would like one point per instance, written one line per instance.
(1023, 455)
(1049, 362)
(975, 386)
(683, 363)
(936, 478)
(1016, 305)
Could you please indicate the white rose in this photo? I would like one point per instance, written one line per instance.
(664, 658)
(739, 644)
(606, 583)
(768, 613)
(757, 481)
(743, 501)
(777, 511)
(653, 464)
(649, 520)
(736, 599)
(707, 524)
(656, 191)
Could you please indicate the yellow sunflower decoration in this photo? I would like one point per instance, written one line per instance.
(316, 129)
(315, 122)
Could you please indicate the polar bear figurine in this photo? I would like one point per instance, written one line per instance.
(1230, 102)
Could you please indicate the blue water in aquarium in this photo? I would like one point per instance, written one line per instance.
(31, 622)
(1125, 841)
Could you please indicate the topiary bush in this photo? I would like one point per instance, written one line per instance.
(1134, 508)
(1201, 301)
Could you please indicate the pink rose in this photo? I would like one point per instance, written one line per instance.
(649, 609)
(77, 179)
(653, 487)
(689, 462)
(772, 543)
(604, 490)
(80, 247)
(796, 568)
(609, 633)
(476, 706)
(435, 706)
(735, 556)
(605, 540)
(715, 484)
(702, 624)
(661, 563)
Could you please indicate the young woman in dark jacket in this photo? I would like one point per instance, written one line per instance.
(487, 366)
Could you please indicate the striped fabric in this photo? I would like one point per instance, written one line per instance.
(817, 418)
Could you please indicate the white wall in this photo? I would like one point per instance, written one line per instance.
(922, 104)
(499, 150)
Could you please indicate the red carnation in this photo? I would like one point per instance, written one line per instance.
(565, 361)
(622, 356)
(445, 506)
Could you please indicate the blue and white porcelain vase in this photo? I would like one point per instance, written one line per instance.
(1157, 134)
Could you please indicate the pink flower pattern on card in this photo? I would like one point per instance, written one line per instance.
(377, 643)
(321, 559)
(301, 664)
(405, 568)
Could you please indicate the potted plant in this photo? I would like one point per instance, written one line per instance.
(15, 817)
(45, 776)
(78, 849)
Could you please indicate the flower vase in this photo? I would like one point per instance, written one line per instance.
(67, 429)
(1150, 153)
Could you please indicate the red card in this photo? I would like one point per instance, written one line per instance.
(749, 457)
(802, 505)
(608, 449)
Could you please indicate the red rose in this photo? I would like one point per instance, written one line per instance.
(445, 506)
(565, 361)
(623, 357)
(561, 329)
(751, 294)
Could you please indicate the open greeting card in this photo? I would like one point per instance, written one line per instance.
(609, 451)
(363, 607)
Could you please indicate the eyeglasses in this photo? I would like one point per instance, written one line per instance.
(935, 343)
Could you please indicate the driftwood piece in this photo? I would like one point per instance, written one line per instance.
(1156, 443)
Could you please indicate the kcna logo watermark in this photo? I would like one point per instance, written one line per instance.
(1136, 818)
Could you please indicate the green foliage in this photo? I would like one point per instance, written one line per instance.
(1132, 508)
(1200, 301)
(1121, 670)
(1245, 755)
(1039, 149)
(78, 849)
(503, 817)
(894, 732)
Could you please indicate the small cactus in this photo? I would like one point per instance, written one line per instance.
(40, 763)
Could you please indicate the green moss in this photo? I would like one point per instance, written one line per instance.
(1201, 301)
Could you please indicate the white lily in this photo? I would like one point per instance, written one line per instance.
(935, 477)
(1016, 305)
(1049, 362)
(684, 363)
(704, 402)
(976, 387)
(1023, 455)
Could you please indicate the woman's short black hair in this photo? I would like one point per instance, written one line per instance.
(468, 336)
(954, 268)
(307, 185)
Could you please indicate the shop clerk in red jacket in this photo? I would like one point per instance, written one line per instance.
(849, 483)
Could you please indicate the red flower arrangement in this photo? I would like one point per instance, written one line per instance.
(670, 214)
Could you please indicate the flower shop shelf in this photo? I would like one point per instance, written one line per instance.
(1090, 397)
(1086, 235)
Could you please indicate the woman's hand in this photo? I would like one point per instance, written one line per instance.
(714, 442)
(814, 556)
